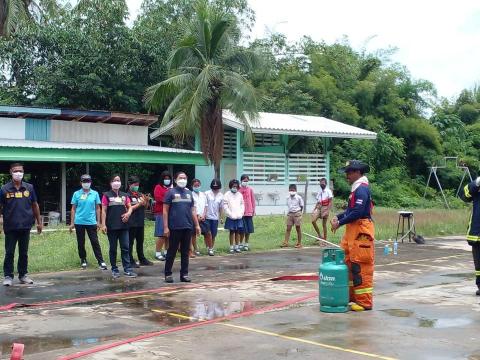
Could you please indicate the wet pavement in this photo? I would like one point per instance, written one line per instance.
(425, 308)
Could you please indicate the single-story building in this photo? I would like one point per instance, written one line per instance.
(54, 140)
(270, 163)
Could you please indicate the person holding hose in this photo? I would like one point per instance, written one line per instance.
(358, 240)
(471, 193)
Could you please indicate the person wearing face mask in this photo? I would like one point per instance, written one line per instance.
(116, 210)
(200, 203)
(179, 218)
(159, 193)
(136, 222)
(234, 208)
(85, 216)
(249, 201)
(294, 217)
(322, 208)
(19, 207)
(214, 214)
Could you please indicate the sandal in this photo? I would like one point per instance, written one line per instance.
(298, 246)
(284, 245)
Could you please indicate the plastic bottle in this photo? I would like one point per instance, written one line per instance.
(395, 247)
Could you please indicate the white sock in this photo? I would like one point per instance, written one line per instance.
(231, 247)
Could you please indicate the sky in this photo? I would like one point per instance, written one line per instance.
(437, 41)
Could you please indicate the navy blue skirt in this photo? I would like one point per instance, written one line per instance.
(234, 225)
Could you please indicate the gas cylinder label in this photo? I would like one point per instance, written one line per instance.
(326, 277)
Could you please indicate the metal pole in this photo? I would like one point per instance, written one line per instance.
(63, 196)
(87, 168)
(306, 196)
(428, 182)
(441, 190)
(461, 182)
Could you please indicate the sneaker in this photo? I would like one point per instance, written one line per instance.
(356, 307)
(103, 266)
(231, 251)
(237, 249)
(197, 253)
(169, 279)
(160, 257)
(240, 247)
(115, 274)
(246, 248)
(26, 280)
(211, 252)
(8, 281)
(134, 264)
(146, 262)
(84, 264)
(185, 279)
(130, 274)
(478, 291)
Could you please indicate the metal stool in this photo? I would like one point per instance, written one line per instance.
(408, 216)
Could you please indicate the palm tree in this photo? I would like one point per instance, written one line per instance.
(206, 76)
(14, 12)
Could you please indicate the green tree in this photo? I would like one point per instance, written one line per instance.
(206, 78)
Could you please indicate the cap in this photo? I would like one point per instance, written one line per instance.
(354, 165)
(85, 178)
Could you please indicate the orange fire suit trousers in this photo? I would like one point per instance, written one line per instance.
(358, 244)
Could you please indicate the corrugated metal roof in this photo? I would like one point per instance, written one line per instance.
(287, 124)
(89, 146)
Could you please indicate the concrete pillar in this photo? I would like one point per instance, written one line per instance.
(63, 194)
(126, 175)
(87, 168)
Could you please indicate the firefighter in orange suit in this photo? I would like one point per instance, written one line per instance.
(358, 241)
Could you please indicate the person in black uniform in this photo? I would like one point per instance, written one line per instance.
(116, 210)
(471, 193)
(136, 222)
(20, 210)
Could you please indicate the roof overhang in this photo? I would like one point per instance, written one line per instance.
(95, 116)
(26, 150)
(287, 124)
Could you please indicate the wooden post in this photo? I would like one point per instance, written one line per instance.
(63, 193)
(306, 196)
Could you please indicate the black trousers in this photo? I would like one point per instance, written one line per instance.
(476, 260)
(115, 237)
(92, 235)
(137, 233)
(184, 238)
(12, 237)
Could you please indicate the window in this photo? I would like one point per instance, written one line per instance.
(264, 168)
(306, 166)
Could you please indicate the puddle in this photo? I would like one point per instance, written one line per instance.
(226, 267)
(461, 275)
(402, 283)
(398, 312)
(443, 323)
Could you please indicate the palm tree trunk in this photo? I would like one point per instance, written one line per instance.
(212, 133)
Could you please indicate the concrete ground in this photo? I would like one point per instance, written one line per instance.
(425, 308)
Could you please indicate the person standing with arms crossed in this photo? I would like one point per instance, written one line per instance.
(85, 216)
(358, 240)
(20, 210)
(179, 218)
(158, 195)
(322, 208)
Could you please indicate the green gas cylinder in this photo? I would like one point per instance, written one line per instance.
(333, 282)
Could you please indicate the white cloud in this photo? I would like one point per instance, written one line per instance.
(436, 40)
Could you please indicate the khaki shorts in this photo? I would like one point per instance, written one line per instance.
(294, 219)
(320, 213)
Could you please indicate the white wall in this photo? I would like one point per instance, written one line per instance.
(72, 131)
(12, 128)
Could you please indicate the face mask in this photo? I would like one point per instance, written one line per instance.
(17, 176)
(116, 185)
(234, 190)
(134, 188)
(323, 186)
(86, 186)
(196, 189)
(182, 183)
(293, 193)
(167, 182)
(244, 183)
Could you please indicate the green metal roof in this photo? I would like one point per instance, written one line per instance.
(20, 150)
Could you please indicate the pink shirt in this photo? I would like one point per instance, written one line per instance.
(248, 199)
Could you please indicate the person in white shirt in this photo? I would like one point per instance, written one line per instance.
(214, 214)
(234, 208)
(294, 217)
(322, 208)
(200, 203)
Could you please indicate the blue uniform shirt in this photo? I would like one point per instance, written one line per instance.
(180, 211)
(17, 206)
(359, 206)
(86, 205)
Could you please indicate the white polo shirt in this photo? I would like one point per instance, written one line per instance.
(324, 196)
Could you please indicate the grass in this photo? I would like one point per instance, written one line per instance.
(57, 251)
